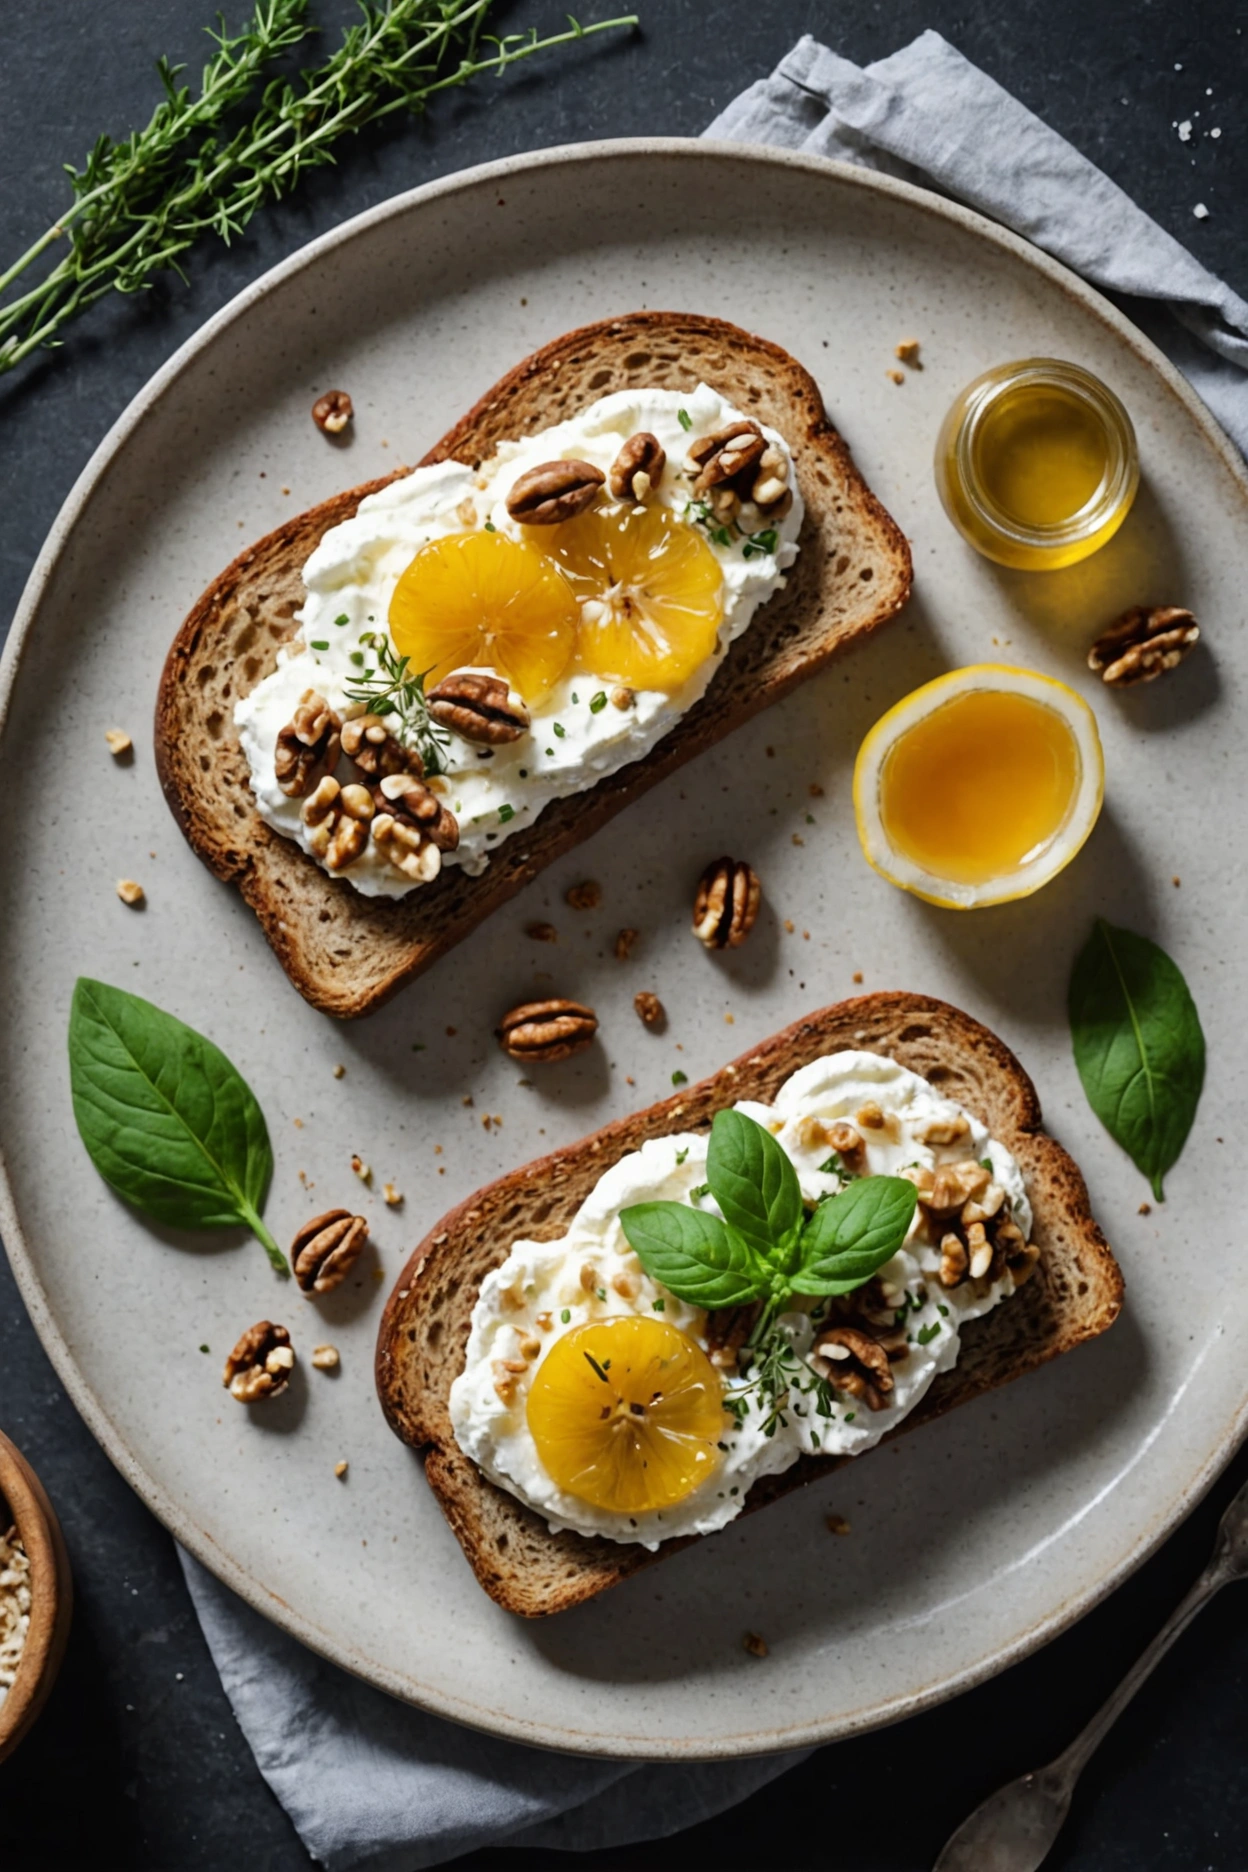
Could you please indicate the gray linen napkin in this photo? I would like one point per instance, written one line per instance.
(369, 1783)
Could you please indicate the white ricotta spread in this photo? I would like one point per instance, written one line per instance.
(351, 578)
(544, 1278)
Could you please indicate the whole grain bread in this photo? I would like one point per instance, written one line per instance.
(1074, 1294)
(347, 953)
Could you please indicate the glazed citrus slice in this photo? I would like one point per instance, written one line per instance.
(627, 1414)
(980, 786)
(651, 593)
(486, 601)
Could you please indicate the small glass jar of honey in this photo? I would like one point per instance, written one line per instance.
(1037, 464)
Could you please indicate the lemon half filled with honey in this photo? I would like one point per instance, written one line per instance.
(627, 1414)
(980, 786)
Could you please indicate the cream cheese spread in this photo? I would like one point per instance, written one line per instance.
(574, 740)
(546, 1279)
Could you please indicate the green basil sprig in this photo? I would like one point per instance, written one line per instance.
(766, 1247)
(169, 1123)
(1138, 1046)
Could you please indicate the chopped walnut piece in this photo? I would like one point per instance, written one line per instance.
(260, 1364)
(325, 1358)
(896, 376)
(307, 747)
(340, 1470)
(584, 896)
(131, 893)
(362, 1170)
(953, 1259)
(119, 742)
(541, 932)
(368, 742)
(847, 1143)
(624, 944)
(938, 1131)
(332, 412)
(392, 1195)
(852, 1360)
(650, 1009)
(836, 1524)
(756, 1646)
(908, 352)
(337, 819)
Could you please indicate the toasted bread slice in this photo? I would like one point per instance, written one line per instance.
(1074, 1294)
(347, 953)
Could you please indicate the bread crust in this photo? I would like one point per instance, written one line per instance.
(347, 954)
(1075, 1294)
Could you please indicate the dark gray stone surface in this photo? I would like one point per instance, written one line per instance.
(137, 1762)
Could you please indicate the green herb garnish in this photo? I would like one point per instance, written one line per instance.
(1138, 1046)
(168, 1122)
(680, 1078)
(395, 689)
(685, 420)
(201, 165)
(757, 544)
(506, 812)
(598, 702)
(320, 644)
(698, 1191)
(681, 1155)
(560, 730)
(342, 618)
(926, 1334)
(566, 1315)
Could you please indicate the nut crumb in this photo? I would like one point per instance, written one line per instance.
(836, 1524)
(584, 896)
(332, 412)
(379, 1274)
(896, 376)
(325, 1358)
(797, 838)
(756, 1646)
(340, 1469)
(119, 742)
(908, 352)
(624, 944)
(815, 790)
(789, 925)
(466, 1100)
(391, 1195)
(362, 1170)
(541, 932)
(857, 976)
(1176, 882)
(730, 1020)
(1145, 1209)
(339, 1071)
(130, 892)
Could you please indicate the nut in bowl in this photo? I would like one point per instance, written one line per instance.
(36, 1597)
(979, 787)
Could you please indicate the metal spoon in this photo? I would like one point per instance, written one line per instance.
(1015, 1827)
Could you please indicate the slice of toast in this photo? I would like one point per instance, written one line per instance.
(347, 953)
(1074, 1294)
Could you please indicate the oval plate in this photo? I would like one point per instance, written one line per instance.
(972, 1542)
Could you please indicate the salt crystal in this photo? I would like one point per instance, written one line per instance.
(1200, 211)
(1185, 130)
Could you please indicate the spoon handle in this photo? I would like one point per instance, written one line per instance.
(1067, 1767)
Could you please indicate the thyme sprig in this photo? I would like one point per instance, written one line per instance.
(774, 1369)
(140, 205)
(394, 688)
(753, 545)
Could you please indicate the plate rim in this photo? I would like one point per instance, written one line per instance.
(181, 1524)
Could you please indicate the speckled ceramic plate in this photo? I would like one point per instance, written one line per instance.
(972, 1541)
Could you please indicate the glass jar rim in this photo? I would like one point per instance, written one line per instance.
(1121, 470)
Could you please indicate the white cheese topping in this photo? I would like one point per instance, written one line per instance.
(351, 578)
(545, 1279)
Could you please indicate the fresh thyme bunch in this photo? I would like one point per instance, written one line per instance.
(139, 206)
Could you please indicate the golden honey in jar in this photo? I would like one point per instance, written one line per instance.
(1036, 464)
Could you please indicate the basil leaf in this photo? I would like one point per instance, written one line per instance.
(167, 1121)
(755, 1185)
(854, 1233)
(694, 1255)
(1138, 1046)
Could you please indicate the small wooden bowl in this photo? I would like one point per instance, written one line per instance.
(25, 1505)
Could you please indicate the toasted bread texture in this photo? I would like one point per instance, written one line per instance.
(347, 953)
(1074, 1294)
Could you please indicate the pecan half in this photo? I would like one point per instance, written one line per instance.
(1145, 642)
(726, 905)
(412, 803)
(638, 468)
(369, 743)
(851, 1360)
(540, 1031)
(725, 454)
(650, 1009)
(554, 491)
(260, 1364)
(478, 707)
(307, 747)
(326, 1249)
(337, 819)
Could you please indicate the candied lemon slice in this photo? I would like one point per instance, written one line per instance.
(627, 1414)
(484, 600)
(651, 594)
(980, 786)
